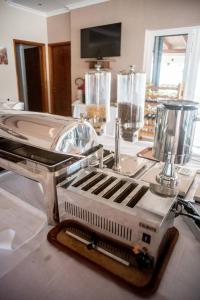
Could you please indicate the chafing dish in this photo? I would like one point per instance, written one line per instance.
(46, 148)
(49, 132)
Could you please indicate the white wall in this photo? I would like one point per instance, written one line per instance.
(136, 17)
(22, 25)
(58, 28)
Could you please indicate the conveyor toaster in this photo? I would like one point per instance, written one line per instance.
(119, 207)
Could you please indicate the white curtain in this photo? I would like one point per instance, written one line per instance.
(192, 67)
(192, 78)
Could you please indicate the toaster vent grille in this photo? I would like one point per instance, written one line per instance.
(99, 221)
(93, 182)
(85, 178)
(104, 185)
(125, 193)
(113, 190)
(135, 199)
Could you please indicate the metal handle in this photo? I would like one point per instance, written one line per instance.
(116, 166)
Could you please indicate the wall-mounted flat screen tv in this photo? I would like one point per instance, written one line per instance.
(101, 41)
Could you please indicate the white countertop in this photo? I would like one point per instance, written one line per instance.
(39, 271)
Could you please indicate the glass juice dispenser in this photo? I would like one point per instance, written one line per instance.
(131, 98)
(97, 96)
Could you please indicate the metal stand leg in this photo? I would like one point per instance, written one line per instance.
(50, 199)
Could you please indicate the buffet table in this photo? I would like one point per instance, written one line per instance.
(37, 270)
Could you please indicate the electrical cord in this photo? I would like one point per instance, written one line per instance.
(191, 212)
(194, 217)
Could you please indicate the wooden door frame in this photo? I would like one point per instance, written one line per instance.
(45, 104)
(52, 102)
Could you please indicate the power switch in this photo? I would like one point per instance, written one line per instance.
(146, 238)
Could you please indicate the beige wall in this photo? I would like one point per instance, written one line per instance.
(58, 28)
(136, 16)
(58, 31)
(16, 24)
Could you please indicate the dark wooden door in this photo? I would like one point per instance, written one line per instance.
(60, 74)
(33, 78)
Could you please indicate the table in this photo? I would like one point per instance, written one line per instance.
(46, 273)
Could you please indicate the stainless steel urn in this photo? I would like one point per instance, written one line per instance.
(175, 130)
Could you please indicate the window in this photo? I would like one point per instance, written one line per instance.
(169, 59)
(161, 67)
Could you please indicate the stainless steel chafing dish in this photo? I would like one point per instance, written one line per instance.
(49, 132)
(45, 148)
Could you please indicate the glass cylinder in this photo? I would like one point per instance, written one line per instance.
(97, 97)
(131, 98)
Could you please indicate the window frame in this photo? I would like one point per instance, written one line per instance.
(149, 45)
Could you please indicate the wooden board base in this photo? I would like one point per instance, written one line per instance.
(143, 283)
(197, 194)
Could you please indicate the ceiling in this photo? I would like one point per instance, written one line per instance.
(51, 7)
(175, 43)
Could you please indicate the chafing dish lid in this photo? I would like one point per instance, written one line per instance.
(46, 131)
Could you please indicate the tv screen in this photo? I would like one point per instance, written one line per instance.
(101, 41)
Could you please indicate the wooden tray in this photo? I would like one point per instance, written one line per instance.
(147, 153)
(141, 282)
(197, 194)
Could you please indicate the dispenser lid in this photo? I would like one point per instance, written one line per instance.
(130, 71)
(98, 70)
(179, 104)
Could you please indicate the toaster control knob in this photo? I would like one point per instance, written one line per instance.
(93, 243)
(144, 260)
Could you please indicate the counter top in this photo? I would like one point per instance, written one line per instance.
(39, 271)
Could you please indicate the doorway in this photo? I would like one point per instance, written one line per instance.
(169, 59)
(60, 78)
(31, 75)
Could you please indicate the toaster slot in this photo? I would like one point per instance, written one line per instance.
(85, 178)
(115, 188)
(135, 199)
(125, 193)
(93, 182)
(104, 185)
